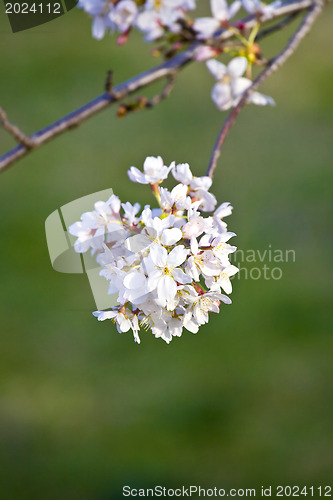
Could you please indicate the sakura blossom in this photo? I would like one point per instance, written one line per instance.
(102, 224)
(222, 12)
(231, 85)
(259, 8)
(168, 265)
(153, 18)
(154, 171)
(169, 23)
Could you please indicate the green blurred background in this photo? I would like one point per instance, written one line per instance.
(248, 400)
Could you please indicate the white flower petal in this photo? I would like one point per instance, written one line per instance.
(251, 6)
(237, 67)
(219, 9)
(180, 276)
(137, 243)
(226, 285)
(203, 182)
(231, 270)
(171, 236)
(205, 26)
(134, 279)
(182, 173)
(224, 298)
(90, 219)
(261, 99)
(177, 256)
(158, 255)
(216, 68)
(103, 315)
(223, 210)
(166, 288)
(239, 86)
(153, 280)
(194, 245)
(221, 95)
(204, 53)
(234, 8)
(191, 326)
(136, 176)
(77, 229)
(152, 164)
(200, 316)
(98, 27)
(124, 323)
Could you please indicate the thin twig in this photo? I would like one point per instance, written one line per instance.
(272, 66)
(164, 94)
(286, 9)
(101, 102)
(20, 136)
(109, 82)
(141, 103)
(277, 27)
(119, 92)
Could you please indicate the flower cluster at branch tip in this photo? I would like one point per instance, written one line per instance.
(168, 21)
(154, 18)
(167, 265)
(158, 18)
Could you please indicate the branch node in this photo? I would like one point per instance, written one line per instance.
(273, 65)
(25, 140)
(171, 67)
(108, 87)
(170, 83)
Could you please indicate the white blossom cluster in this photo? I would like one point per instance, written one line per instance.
(156, 18)
(222, 13)
(167, 265)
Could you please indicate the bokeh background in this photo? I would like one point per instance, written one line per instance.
(248, 400)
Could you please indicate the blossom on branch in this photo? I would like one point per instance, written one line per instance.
(222, 12)
(167, 265)
(259, 8)
(154, 18)
(106, 15)
(154, 171)
(160, 16)
(231, 85)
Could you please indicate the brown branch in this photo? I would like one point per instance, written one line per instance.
(272, 66)
(277, 27)
(119, 92)
(168, 88)
(141, 103)
(18, 135)
(286, 9)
